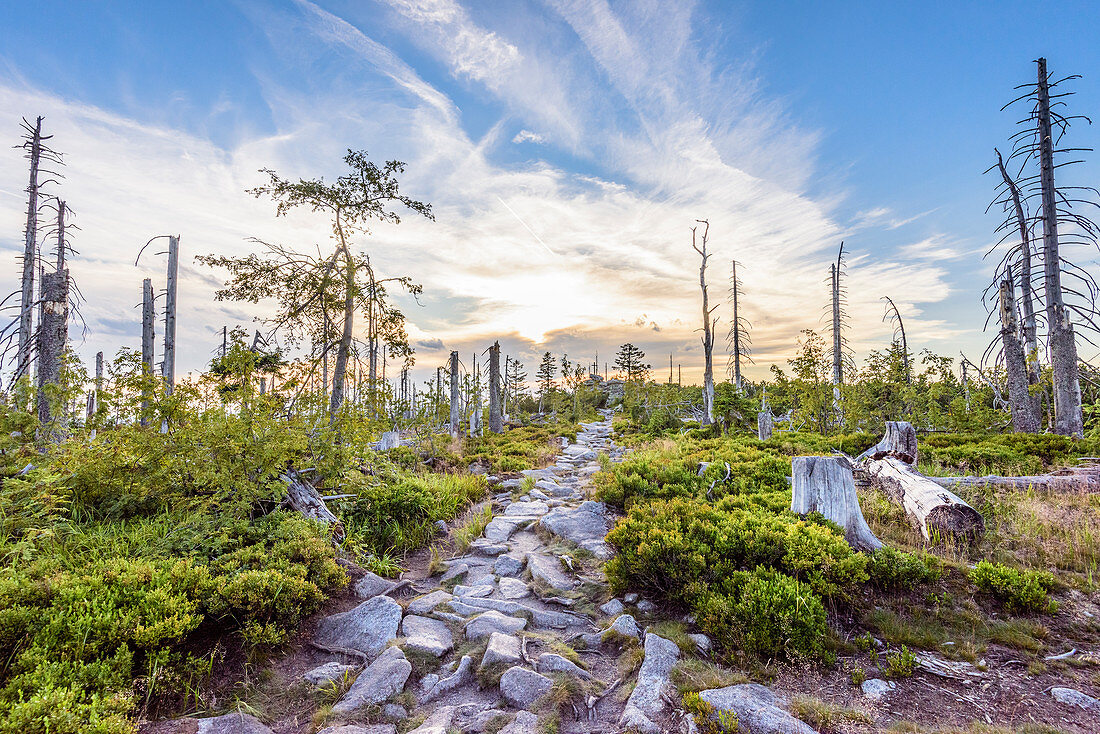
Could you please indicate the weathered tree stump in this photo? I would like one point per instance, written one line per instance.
(824, 484)
(765, 424)
(303, 498)
(899, 442)
(929, 507)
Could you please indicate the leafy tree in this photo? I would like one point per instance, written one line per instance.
(310, 288)
(629, 363)
(545, 377)
(516, 377)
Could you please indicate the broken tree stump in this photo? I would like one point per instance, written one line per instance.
(825, 484)
(303, 498)
(931, 508)
(899, 442)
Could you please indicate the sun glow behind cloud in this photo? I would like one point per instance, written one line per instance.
(540, 253)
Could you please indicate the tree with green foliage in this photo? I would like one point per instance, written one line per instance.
(629, 363)
(545, 377)
(310, 288)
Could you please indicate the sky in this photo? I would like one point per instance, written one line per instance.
(567, 148)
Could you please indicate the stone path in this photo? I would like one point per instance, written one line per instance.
(515, 633)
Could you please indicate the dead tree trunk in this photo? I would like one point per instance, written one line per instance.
(148, 317)
(456, 409)
(1027, 298)
(900, 442)
(53, 333)
(496, 424)
(303, 498)
(1068, 419)
(1025, 411)
(708, 326)
(838, 361)
(168, 365)
(825, 484)
(930, 508)
(30, 257)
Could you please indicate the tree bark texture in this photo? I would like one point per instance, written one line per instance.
(824, 484)
(496, 423)
(932, 509)
(456, 408)
(1025, 409)
(53, 334)
(899, 442)
(30, 251)
(303, 498)
(148, 318)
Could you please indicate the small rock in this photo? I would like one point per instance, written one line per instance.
(646, 702)
(757, 708)
(481, 590)
(481, 721)
(551, 663)
(493, 621)
(327, 673)
(524, 723)
(381, 679)
(527, 509)
(367, 628)
(876, 688)
(487, 547)
(547, 570)
(428, 602)
(359, 729)
(394, 712)
(646, 607)
(440, 526)
(426, 635)
(232, 724)
(438, 723)
(612, 608)
(509, 565)
(371, 585)
(702, 643)
(454, 572)
(1073, 697)
(553, 488)
(538, 494)
(501, 650)
(520, 687)
(513, 588)
(631, 598)
(626, 626)
(432, 687)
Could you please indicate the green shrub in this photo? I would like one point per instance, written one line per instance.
(1023, 591)
(898, 663)
(765, 613)
(891, 569)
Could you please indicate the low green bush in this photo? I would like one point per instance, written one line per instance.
(891, 569)
(1018, 590)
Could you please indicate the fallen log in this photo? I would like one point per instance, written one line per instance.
(899, 442)
(303, 498)
(824, 484)
(1070, 482)
(931, 508)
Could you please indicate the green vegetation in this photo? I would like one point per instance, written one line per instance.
(1024, 591)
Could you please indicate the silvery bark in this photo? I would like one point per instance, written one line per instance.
(53, 334)
(1068, 419)
(1030, 332)
(1025, 411)
(148, 316)
(456, 409)
(168, 365)
(30, 250)
(496, 425)
(824, 484)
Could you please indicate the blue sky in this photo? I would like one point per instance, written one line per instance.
(605, 129)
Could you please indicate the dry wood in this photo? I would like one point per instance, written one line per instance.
(1025, 408)
(931, 508)
(496, 424)
(1068, 482)
(168, 365)
(53, 334)
(456, 408)
(30, 255)
(825, 484)
(708, 325)
(303, 498)
(148, 315)
(900, 442)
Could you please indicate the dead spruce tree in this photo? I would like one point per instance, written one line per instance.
(1025, 409)
(53, 334)
(737, 339)
(496, 424)
(1057, 210)
(699, 243)
(456, 406)
(343, 280)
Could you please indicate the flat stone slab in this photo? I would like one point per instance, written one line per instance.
(360, 729)
(524, 723)
(493, 621)
(232, 724)
(509, 564)
(503, 527)
(324, 674)
(553, 488)
(547, 570)
(876, 688)
(427, 635)
(757, 708)
(463, 674)
(552, 663)
(438, 723)
(645, 703)
(521, 687)
(381, 679)
(1073, 697)
(527, 509)
(367, 628)
(513, 589)
(371, 586)
(502, 650)
(541, 617)
(625, 625)
(586, 525)
(487, 547)
(481, 590)
(428, 602)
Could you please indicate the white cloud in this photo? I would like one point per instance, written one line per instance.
(526, 136)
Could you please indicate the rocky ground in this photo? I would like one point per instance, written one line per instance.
(519, 635)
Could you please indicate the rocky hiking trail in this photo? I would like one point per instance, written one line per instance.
(520, 635)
